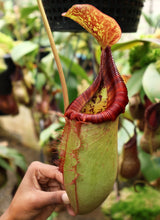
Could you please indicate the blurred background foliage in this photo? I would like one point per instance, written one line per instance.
(29, 77)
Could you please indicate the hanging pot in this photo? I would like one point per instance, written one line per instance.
(125, 12)
(8, 105)
(5, 76)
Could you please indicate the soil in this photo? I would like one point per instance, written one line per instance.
(30, 155)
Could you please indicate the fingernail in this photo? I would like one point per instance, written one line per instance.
(65, 199)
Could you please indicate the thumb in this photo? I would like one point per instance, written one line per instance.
(65, 199)
(56, 197)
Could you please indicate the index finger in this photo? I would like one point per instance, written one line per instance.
(42, 170)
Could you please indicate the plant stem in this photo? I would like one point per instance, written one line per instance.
(56, 56)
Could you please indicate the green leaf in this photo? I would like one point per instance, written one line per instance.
(28, 10)
(125, 133)
(152, 19)
(72, 88)
(6, 42)
(75, 68)
(52, 216)
(23, 49)
(150, 166)
(40, 81)
(98, 54)
(126, 45)
(136, 205)
(130, 44)
(4, 164)
(18, 159)
(13, 156)
(49, 132)
(47, 62)
(134, 84)
(151, 82)
(149, 20)
(60, 37)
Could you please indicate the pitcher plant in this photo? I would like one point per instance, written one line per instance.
(88, 149)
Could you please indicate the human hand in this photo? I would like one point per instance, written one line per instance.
(39, 193)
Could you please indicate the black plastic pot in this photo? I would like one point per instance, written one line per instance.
(126, 12)
(5, 76)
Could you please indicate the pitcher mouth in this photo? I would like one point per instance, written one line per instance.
(90, 106)
(107, 97)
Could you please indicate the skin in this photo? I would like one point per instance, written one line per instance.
(39, 194)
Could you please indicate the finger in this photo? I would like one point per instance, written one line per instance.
(43, 171)
(52, 185)
(67, 202)
(65, 199)
(51, 198)
(70, 210)
(50, 188)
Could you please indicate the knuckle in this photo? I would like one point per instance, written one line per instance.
(57, 198)
(34, 165)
